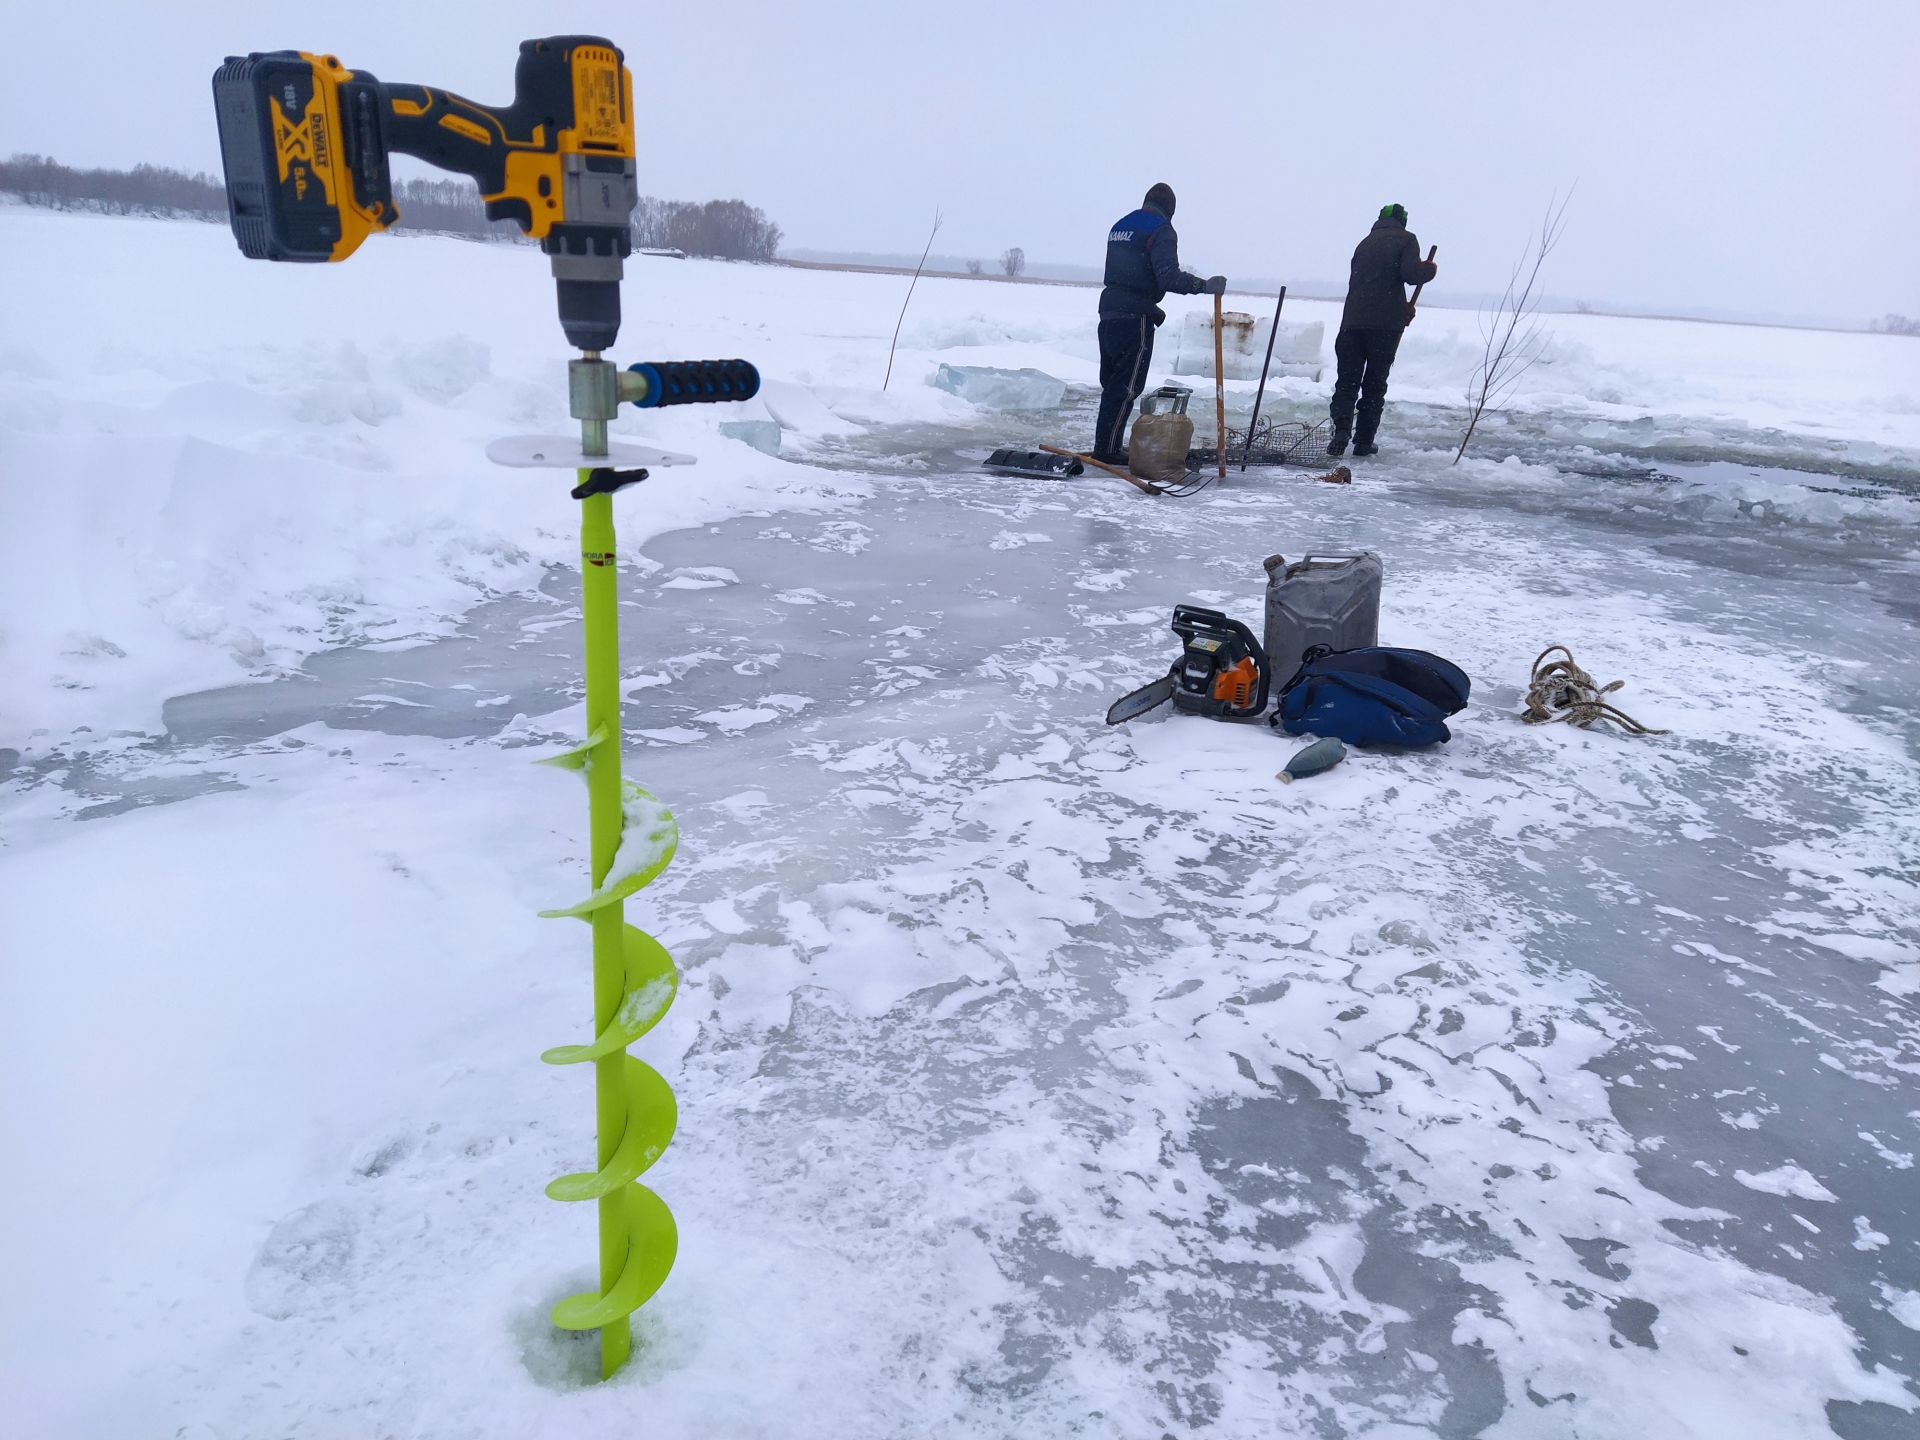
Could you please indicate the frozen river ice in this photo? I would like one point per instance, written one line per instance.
(1545, 1083)
(1036, 1078)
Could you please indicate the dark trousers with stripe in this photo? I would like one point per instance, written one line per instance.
(1365, 358)
(1126, 349)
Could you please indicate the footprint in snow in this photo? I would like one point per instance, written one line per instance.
(306, 1264)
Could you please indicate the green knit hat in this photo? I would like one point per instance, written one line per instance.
(1394, 212)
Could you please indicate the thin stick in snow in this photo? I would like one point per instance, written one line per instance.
(1265, 366)
(903, 304)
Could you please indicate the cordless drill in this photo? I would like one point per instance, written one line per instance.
(305, 143)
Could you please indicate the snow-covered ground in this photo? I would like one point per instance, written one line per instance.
(1036, 1078)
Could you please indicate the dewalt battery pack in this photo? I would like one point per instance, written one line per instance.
(306, 161)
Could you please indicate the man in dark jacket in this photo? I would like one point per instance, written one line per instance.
(1143, 265)
(1370, 327)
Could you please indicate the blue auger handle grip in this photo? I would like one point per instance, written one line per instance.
(695, 382)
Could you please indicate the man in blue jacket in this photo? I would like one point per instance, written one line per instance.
(1143, 265)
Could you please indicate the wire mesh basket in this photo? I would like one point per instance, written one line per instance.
(1275, 442)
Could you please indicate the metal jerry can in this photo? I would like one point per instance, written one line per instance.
(1322, 599)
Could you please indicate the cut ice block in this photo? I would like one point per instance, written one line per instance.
(762, 435)
(995, 389)
(1296, 346)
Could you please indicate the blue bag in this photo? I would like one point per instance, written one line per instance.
(1372, 696)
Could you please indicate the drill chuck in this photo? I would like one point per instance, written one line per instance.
(587, 263)
(589, 312)
(588, 250)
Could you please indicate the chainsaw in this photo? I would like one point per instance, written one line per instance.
(1222, 672)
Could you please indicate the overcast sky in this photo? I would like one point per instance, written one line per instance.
(1743, 156)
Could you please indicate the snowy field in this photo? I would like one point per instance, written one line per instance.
(1036, 1078)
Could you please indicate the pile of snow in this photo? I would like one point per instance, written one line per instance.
(280, 459)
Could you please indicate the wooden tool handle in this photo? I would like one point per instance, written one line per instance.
(1432, 250)
(1126, 475)
(1219, 388)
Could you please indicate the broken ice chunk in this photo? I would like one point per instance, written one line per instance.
(995, 389)
(762, 435)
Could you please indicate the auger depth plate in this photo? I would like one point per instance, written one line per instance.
(562, 452)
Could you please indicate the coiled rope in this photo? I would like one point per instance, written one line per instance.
(1561, 690)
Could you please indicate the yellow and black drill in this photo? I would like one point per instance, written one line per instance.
(305, 143)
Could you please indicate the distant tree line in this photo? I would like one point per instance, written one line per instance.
(143, 190)
(723, 229)
(448, 207)
(1896, 325)
(719, 229)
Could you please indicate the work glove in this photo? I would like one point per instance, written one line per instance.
(1159, 317)
(1216, 285)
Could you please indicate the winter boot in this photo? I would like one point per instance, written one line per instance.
(1338, 444)
(1363, 442)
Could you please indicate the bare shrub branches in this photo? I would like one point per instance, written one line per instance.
(1513, 334)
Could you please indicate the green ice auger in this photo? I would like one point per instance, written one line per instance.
(305, 142)
(632, 837)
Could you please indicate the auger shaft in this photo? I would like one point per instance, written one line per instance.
(599, 604)
(632, 837)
